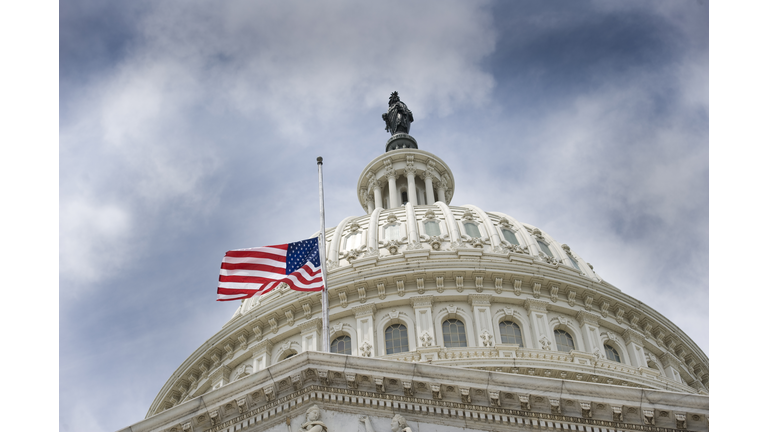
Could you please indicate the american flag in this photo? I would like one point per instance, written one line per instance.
(255, 271)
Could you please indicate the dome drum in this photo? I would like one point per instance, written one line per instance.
(419, 289)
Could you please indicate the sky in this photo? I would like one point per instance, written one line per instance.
(190, 128)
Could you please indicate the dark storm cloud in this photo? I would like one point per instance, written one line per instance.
(188, 130)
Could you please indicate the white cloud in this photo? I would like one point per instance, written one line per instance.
(94, 240)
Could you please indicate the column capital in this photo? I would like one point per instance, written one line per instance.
(262, 347)
(535, 305)
(480, 300)
(633, 336)
(588, 318)
(421, 301)
(310, 326)
(364, 310)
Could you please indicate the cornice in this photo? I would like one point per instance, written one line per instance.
(483, 400)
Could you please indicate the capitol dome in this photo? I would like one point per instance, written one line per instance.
(438, 311)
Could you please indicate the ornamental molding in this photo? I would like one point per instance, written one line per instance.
(364, 311)
(311, 326)
(588, 318)
(421, 301)
(633, 336)
(480, 299)
(299, 387)
(536, 305)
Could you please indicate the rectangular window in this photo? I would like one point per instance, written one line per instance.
(544, 247)
(575, 264)
(472, 230)
(510, 237)
(432, 228)
(392, 232)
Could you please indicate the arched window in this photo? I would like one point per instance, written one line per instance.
(454, 334)
(392, 232)
(396, 337)
(432, 228)
(404, 197)
(472, 230)
(544, 247)
(510, 237)
(510, 333)
(342, 345)
(611, 353)
(575, 263)
(564, 341)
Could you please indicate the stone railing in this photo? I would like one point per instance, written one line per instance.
(575, 365)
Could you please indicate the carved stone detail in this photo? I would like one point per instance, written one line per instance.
(465, 396)
(361, 293)
(459, 283)
(400, 287)
(420, 285)
(525, 403)
(553, 293)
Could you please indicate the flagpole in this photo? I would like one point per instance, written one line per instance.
(321, 247)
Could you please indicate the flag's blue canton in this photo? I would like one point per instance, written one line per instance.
(300, 253)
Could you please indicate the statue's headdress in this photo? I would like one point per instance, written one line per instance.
(394, 98)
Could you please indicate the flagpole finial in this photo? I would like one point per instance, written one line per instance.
(319, 159)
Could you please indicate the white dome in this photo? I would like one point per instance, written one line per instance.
(424, 265)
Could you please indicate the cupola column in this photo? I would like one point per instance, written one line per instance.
(393, 199)
(411, 175)
(377, 195)
(441, 191)
(430, 190)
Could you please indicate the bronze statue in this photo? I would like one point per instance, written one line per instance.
(398, 117)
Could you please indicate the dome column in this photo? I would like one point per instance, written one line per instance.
(375, 186)
(377, 195)
(537, 315)
(428, 185)
(590, 331)
(441, 191)
(410, 173)
(635, 347)
(393, 198)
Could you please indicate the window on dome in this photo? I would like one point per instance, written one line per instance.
(510, 237)
(454, 334)
(611, 353)
(342, 345)
(510, 333)
(472, 230)
(564, 341)
(293, 353)
(392, 232)
(432, 228)
(353, 240)
(404, 197)
(544, 248)
(396, 337)
(575, 263)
